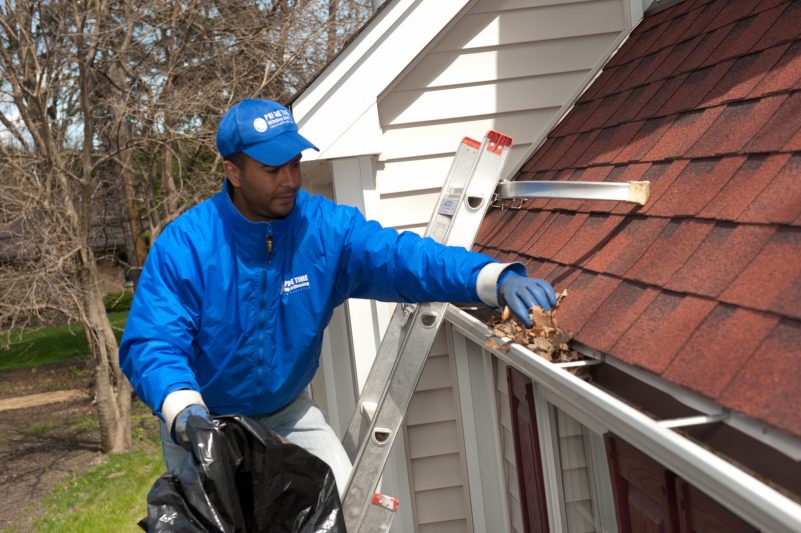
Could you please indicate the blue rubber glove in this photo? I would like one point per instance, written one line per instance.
(521, 293)
(181, 422)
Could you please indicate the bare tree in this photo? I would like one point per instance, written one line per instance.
(102, 100)
(47, 56)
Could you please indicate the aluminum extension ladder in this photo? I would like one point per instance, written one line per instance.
(385, 397)
(473, 182)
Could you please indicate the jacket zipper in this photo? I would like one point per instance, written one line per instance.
(263, 302)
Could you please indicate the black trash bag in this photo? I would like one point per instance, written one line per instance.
(242, 477)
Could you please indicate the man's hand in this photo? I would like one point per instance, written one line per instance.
(179, 426)
(521, 293)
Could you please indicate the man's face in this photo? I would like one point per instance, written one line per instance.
(261, 192)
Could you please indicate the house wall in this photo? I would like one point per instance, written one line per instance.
(508, 65)
(512, 66)
(506, 434)
(435, 448)
(573, 472)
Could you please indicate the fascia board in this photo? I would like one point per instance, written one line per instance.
(730, 486)
(338, 112)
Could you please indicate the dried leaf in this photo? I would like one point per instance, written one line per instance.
(540, 317)
(544, 338)
(559, 297)
(494, 343)
(559, 337)
(542, 347)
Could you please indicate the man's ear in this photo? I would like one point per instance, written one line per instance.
(232, 172)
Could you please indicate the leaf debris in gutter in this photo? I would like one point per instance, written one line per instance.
(544, 337)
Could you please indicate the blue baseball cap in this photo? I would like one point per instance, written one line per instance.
(262, 129)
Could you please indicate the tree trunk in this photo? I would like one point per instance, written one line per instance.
(111, 387)
(168, 184)
(137, 247)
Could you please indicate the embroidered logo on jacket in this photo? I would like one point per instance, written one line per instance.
(295, 284)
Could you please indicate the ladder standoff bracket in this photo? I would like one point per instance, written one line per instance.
(632, 191)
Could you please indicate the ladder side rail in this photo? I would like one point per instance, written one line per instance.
(460, 173)
(412, 351)
(389, 416)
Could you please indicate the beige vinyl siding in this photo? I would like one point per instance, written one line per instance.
(576, 480)
(435, 448)
(508, 447)
(507, 65)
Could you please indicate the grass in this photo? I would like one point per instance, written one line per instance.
(113, 496)
(35, 347)
(37, 430)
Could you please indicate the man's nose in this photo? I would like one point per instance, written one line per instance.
(289, 176)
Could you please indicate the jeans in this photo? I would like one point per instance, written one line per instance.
(302, 423)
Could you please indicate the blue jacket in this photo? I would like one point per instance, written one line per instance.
(236, 309)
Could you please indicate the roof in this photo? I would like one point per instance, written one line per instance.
(702, 285)
(345, 93)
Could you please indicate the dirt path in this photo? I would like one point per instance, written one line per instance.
(47, 433)
(43, 398)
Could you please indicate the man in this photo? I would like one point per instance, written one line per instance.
(235, 294)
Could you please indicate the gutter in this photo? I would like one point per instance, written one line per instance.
(740, 492)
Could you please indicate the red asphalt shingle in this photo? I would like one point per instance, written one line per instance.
(586, 294)
(642, 71)
(781, 128)
(658, 333)
(750, 180)
(703, 18)
(729, 334)
(685, 131)
(744, 75)
(638, 98)
(725, 252)
(734, 11)
(526, 223)
(736, 126)
(697, 184)
(785, 74)
(697, 85)
(775, 271)
(627, 243)
(745, 34)
(561, 229)
(702, 285)
(676, 56)
(767, 387)
(786, 28)
(588, 238)
(645, 139)
(671, 249)
(615, 315)
(779, 201)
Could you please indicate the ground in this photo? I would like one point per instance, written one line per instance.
(48, 431)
